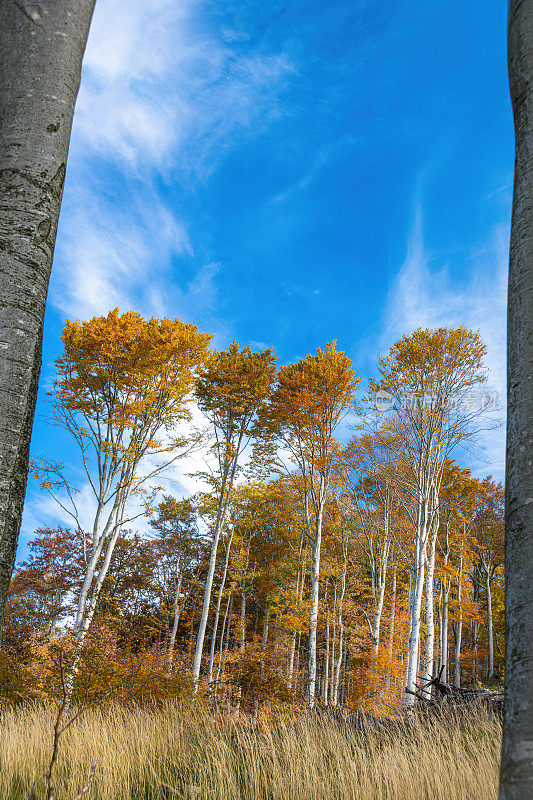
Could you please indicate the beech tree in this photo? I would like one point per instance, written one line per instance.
(123, 385)
(516, 778)
(179, 545)
(311, 399)
(231, 392)
(429, 376)
(488, 528)
(41, 51)
(367, 467)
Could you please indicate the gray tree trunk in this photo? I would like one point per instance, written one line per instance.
(41, 50)
(516, 779)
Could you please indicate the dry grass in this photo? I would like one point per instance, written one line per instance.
(142, 753)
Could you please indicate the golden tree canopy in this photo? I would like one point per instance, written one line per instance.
(120, 368)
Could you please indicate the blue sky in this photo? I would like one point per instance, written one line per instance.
(286, 174)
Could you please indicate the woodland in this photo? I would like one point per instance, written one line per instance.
(336, 559)
(307, 572)
(338, 608)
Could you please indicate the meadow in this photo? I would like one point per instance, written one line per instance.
(172, 752)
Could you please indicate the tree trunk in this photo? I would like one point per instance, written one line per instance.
(490, 629)
(416, 604)
(517, 752)
(391, 626)
(41, 51)
(176, 619)
(444, 634)
(217, 614)
(225, 497)
(459, 627)
(313, 615)
(429, 650)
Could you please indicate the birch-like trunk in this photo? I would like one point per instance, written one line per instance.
(378, 611)
(313, 614)
(391, 626)
(429, 649)
(176, 619)
(416, 603)
(41, 51)
(333, 643)
(325, 685)
(444, 633)
(459, 626)
(516, 781)
(104, 540)
(221, 648)
(300, 581)
(217, 613)
(337, 674)
(225, 496)
(490, 629)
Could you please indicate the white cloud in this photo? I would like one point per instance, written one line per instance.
(162, 100)
(158, 88)
(115, 256)
(424, 294)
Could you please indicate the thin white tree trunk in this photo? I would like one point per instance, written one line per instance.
(217, 612)
(225, 496)
(337, 677)
(444, 634)
(176, 619)
(300, 581)
(378, 612)
(416, 605)
(429, 654)
(325, 683)
(391, 626)
(313, 615)
(490, 629)
(459, 626)
(220, 649)
(333, 643)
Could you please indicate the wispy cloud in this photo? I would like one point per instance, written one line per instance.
(424, 294)
(160, 89)
(162, 101)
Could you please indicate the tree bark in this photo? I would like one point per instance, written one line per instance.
(217, 613)
(313, 614)
(429, 645)
(516, 780)
(490, 627)
(175, 621)
(459, 626)
(444, 633)
(416, 602)
(224, 499)
(41, 51)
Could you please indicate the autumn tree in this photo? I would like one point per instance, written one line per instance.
(41, 51)
(43, 584)
(431, 377)
(366, 470)
(488, 529)
(175, 522)
(312, 398)
(123, 384)
(231, 392)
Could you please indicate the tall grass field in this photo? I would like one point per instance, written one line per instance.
(171, 753)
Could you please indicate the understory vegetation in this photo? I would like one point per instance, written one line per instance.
(172, 752)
